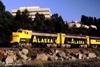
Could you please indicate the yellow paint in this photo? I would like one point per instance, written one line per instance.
(43, 40)
(16, 36)
(58, 39)
(34, 39)
(62, 38)
(51, 41)
(72, 41)
(77, 41)
(48, 40)
(38, 40)
(93, 41)
(88, 40)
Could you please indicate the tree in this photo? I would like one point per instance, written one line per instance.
(84, 20)
(6, 25)
(2, 8)
(39, 22)
(58, 22)
(87, 20)
(22, 20)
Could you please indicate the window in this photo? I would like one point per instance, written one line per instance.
(26, 32)
(20, 31)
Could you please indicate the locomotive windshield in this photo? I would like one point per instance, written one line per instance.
(20, 30)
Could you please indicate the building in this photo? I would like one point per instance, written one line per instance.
(79, 25)
(74, 24)
(33, 10)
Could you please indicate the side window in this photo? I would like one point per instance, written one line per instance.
(26, 32)
(20, 31)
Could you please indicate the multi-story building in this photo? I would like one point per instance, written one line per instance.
(33, 10)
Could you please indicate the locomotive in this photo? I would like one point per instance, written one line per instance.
(28, 37)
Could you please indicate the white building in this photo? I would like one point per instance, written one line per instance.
(74, 24)
(78, 25)
(33, 10)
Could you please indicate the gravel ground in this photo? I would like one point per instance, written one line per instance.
(49, 56)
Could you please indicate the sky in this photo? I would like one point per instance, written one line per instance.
(68, 9)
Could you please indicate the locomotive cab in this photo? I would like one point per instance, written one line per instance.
(21, 36)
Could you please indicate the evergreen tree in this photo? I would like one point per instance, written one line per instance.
(6, 25)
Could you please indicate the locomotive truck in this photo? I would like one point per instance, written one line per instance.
(28, 37)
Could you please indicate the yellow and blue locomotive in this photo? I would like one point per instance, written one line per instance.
(23, 37)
